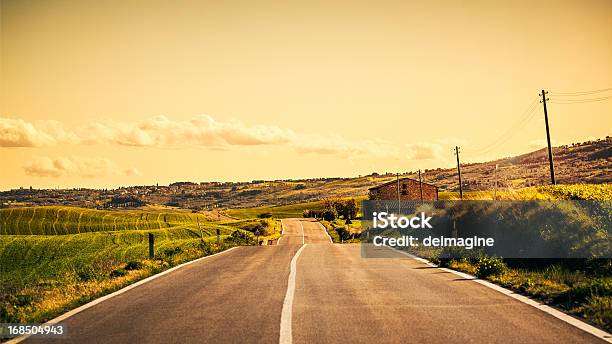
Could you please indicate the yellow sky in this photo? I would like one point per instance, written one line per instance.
(158, 91)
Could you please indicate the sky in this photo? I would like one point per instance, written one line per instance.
(110, 93)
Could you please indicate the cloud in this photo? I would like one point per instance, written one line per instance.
(338, 145)
(19, 133)
(157, 131)
(424, 151)
(75, 166)
(204, 131)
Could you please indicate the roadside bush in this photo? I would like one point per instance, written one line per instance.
(8, 314)
(454, 253)
(582, 291)
(241, 237)
(489, 266)
(206, 248)
(118, 273)
(329, 216)
(169, 252)
(317, 214)
(86, 275)
(597, 309)
(133, 265)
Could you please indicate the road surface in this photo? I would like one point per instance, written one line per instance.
(338, 297)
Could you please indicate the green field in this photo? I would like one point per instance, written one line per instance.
(598, 192)
(73, 220)
(55, 258)
(281, 212)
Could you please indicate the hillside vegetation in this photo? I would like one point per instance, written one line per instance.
(592, 192)
(582, 163)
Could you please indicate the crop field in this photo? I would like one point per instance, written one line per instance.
(73, 220)
(281, 212)
(55, 258)
(600, 192)
(285, 211)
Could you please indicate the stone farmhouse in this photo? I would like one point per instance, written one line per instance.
(408, 189)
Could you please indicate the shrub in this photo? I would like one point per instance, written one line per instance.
(172, 251)
(454, 253)
(205, 248)
(8, 314)
(22, 300)
(490, 266)
(265, 215)
(241, 237)
(597, 310)
(582, 291)
(118, 273)
(133, 265)
(88, 274)
(329, 216)
(317, 214)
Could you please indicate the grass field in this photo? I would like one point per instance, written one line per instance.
(56, 258)
(599, 192)
(73, 220)
(280, 212)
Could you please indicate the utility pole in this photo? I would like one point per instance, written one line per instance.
(550, 157)
(420, 186)
(459, 172)
(399, 202)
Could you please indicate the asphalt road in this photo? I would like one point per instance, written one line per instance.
(339, 297)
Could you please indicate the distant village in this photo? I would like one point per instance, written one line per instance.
(189, 195)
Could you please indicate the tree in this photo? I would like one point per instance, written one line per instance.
(350, 209)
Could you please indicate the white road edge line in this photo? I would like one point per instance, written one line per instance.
(325, 230)
(601, 334)
(286, 336)
(111, 295)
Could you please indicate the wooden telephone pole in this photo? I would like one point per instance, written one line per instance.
(459, 172)
(399, 202)
(550, 157)
(420, 186)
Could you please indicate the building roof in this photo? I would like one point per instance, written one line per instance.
(395, 181)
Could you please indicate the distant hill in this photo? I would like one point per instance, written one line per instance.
(581, 163)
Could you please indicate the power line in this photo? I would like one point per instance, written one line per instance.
(580, 93)
(572, 101)
(526, 117)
